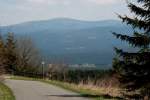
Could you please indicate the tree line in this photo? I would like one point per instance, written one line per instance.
(62, 72)
(18, 54)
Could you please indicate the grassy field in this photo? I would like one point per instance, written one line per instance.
(85, 91)
(5, 92)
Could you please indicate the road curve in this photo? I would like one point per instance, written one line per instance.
(34, 90)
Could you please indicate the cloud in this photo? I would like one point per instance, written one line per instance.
(41, 1)
(104, 2)
(49, 2)
(28, 10)
(67, 2)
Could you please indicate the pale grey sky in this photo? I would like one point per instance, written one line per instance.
(17, 11)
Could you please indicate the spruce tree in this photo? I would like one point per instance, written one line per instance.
(10, 55)
(133, 68)
(2, 58)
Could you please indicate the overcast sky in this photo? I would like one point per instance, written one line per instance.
(16, 11)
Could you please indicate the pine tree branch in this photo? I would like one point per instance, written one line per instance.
(137, 23)
(139, 11)
(139, 58)
(136, 41)
(118, 51)
(147, 1)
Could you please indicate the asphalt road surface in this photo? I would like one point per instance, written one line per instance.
(34, 90)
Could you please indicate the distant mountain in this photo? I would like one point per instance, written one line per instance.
(58, 24)
(74, 41)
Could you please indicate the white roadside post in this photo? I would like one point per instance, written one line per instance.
(43, 63)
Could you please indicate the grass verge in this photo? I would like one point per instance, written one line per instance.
(84, 92)
(5, 92)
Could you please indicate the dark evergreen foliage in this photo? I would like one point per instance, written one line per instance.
(79, 75)
(10, 55)
(2, 60)
(18, 56)
(133, 68)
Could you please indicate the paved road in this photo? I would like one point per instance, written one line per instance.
(32, 90)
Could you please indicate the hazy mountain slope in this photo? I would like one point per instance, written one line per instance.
(58, 24)
(72, 40)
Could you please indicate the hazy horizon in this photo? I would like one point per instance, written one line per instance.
(60, 18)
(19, 11)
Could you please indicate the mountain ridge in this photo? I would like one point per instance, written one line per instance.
(78, 41)
(60, 19)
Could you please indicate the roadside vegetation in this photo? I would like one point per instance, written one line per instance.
(5, 92)
(97, 93)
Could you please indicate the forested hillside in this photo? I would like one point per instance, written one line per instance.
(73, 41)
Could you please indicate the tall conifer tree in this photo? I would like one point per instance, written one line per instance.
(2, 58)
(10, 54)
(133, 68)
